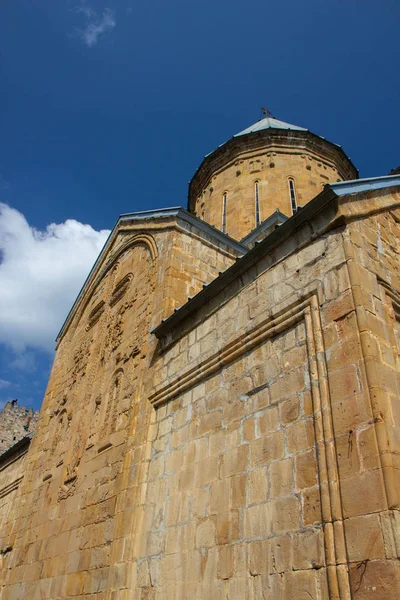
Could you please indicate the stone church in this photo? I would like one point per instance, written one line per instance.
(222, 420)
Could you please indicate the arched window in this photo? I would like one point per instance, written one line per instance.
(257, 202)
(292, 192)
(224, 199)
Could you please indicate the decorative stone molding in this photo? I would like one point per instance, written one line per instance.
(11, 487)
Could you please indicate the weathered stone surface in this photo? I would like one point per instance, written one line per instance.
(252, 452)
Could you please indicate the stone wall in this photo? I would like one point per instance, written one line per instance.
(15, 422)
(252, 455)
(275, 445)
(78, 509)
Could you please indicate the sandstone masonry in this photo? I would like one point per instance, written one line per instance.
(222, 417)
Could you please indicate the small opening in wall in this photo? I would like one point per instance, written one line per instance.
(224, 200)
(292, 193)
(257, 202)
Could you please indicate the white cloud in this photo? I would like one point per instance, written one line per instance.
(95, 25)
(4, 384)
(41, 273)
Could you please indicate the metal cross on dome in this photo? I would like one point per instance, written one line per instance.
(266, 112)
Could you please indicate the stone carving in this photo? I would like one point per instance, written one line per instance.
(69, 486)
(95, 314)
(120, 289)
(60, 404)
(81, 359)
(116, 328)
(132, 351)
(112, 404)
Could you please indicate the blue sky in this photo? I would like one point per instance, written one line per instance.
(108, 107)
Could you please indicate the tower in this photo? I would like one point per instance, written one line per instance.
(268, 166)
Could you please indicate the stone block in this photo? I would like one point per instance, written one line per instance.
(268, 448)
(308, 549)
(205, 533)
(281, 478)
(225, 562)
(238, 490)
(364, 538)
(234, 461)
(375, 579)
(219, 496)
(363, 494)
(305, 468)
(227, 527)
(257, 521)
(257, 486)
(259, 558)
(301, 585)
(289, 410)
(287, 385)
(285, 514)
(210, 422)
(300, 436)
(268, 421)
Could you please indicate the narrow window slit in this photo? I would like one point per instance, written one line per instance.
(224, 199)
(293, 201)
(257, 203)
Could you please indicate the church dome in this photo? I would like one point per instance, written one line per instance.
(268, 166)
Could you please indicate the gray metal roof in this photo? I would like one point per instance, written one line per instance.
(269, 123)
(355, 186)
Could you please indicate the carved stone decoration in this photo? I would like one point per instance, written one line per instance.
(95, 314)
(68, 488)
(81, 359)
(115, 328)
(112, 404)
(132, 351)
(60, 404)
(120, 289)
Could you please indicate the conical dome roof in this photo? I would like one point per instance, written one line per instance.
(269, 123)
